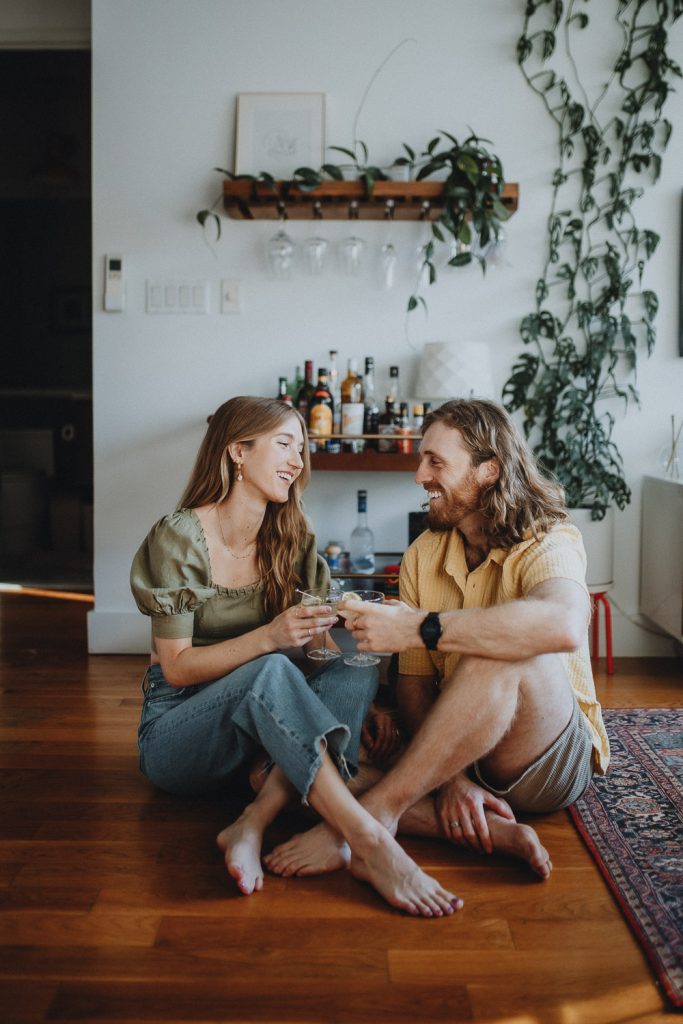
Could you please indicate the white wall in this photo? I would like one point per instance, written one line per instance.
(165, 78)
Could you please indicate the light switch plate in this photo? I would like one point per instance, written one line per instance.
(230, 296)
(177, 297)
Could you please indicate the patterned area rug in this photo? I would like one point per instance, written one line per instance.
(632, 822)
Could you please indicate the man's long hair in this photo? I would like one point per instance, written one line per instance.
(284, 526)
(521, 501)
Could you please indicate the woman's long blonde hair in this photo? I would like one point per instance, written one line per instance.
(521, 500)
(284, 528)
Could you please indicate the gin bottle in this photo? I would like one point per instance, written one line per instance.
(362, 543)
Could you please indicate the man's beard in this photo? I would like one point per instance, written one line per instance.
(450, 510)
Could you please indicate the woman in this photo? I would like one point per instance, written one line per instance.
(219, 579)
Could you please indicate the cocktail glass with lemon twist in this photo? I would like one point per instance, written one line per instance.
(361, 660)
(317, 596)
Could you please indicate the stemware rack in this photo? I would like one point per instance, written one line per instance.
(342, 200)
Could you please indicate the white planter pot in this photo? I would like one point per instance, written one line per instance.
(598, 540)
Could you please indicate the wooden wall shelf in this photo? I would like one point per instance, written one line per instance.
(341, 200)
(368, 461)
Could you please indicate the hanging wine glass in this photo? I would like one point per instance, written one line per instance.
(388, 255)
(314, 249)
(351, 248)
(280, 250)
(495, 251)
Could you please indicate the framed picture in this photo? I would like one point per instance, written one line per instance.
(279, 131)
(680, 291)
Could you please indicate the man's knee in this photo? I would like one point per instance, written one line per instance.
(543, 670)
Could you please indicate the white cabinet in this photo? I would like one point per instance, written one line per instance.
(661, 557)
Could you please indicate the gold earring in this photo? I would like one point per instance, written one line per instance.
(239, 471)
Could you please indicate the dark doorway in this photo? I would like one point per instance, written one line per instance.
(45, 319)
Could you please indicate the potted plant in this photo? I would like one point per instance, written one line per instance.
(592, 314)
(471, 200)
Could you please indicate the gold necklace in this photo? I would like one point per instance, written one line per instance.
(225, 543)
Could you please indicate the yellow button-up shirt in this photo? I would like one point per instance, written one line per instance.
(435, 577)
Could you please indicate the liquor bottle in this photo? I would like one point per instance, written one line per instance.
(353, 409)
(387, 426)
(371, 414)
(297, 382)
(404, 444)
(392, 390)
(418, 420)
(321, 410)
(335, 391)
(362, 542)
(305, 392)
(426, 409)
(282, 392)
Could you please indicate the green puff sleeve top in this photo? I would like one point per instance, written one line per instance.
(172, 582)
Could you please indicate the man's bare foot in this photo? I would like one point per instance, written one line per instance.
(240, 844)
(316, 852)
(380, 860)
(515, 840)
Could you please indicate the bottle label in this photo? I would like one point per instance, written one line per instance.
(352, 414)
(321, 420)
(390, 444)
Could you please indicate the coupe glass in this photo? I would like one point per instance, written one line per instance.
(321, 595)
(361, 660)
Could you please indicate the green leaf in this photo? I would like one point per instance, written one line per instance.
(346, 152)
(207, 215)
(333, 171)
(461, 260)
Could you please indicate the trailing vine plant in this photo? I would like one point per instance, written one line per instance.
(592, 314)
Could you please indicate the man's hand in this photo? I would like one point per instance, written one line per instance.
(380, 735)
(460, 806)
(392, 626)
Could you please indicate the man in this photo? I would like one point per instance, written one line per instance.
(495, 684)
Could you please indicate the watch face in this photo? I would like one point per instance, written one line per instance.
(430, 630)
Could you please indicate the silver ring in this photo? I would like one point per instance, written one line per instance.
(310, 632)
(455, 824)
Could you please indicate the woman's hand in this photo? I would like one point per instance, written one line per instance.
(295, 626)
(460, 805)
(380, 735)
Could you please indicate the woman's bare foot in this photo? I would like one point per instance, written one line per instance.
(316, 852)
(515, 840)
(240, 844)
(379, 860)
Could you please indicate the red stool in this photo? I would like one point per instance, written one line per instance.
(597, 599)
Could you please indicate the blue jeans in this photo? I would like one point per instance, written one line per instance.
(193, 739)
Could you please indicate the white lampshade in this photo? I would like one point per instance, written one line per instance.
(455, 369)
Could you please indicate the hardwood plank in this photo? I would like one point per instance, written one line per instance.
(72, 928)
(299, 1000)
(636, 1003)
(25, 1004)
(220, 937)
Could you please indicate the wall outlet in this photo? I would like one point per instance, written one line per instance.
(230, 296)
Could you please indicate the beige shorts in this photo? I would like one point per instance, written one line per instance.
(559, 777)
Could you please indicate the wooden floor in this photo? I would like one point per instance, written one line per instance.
(115, 905)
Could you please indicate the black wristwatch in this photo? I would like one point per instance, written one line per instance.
(431, 630)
